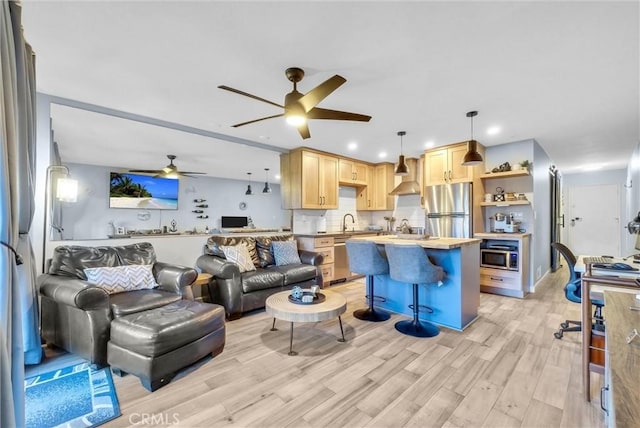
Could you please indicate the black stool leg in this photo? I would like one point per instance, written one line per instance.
(415, 327)
(371, 314)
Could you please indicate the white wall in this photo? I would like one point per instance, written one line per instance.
(632, 199)
(88, 218)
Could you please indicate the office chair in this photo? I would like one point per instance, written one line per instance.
(572, 291)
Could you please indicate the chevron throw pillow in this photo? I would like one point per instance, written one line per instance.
(118, 279)
(285, 252)
(239, 254)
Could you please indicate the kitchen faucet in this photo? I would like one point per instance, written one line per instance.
(344, 221)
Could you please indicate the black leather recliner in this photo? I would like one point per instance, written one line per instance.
(77, 316)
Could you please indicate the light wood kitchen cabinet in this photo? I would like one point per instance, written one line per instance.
(353, 173)
(323, 245)
(444, 165)
(375, 196)
(309, 180)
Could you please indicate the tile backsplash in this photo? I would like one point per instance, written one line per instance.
(307, 221)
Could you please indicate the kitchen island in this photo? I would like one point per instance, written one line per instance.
(455, 303)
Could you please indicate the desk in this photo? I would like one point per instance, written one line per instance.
(604, 280)
(621, 393)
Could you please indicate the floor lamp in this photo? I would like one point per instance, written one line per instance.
(66, 191)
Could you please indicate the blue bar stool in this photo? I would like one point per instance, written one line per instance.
(366, 259)
(410, 264)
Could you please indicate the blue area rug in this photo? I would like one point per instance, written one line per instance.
(75, 396)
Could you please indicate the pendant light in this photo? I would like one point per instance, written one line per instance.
(472, 157)
(249, 192)
(267, 188)
(402, 168)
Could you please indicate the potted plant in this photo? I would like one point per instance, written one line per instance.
(525, 164)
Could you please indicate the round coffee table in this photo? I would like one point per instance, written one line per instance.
(279, 306)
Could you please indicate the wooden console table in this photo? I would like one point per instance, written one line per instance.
(605, 282)
(620, 394)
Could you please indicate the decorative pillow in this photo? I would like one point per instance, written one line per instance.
(239, 254)
(285, 252)
(263, 248)
(119, 279)
(214, 244)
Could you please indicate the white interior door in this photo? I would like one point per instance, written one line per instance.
(592, 221)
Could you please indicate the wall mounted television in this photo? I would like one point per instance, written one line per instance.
(139, 191)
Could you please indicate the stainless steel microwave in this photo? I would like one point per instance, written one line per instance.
(499, 259)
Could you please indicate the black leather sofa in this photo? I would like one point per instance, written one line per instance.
(243, 292)
(78, 316)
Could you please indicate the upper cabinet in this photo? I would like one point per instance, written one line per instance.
(353, 173)
(444, 165)
(375, 195)
(309, 180)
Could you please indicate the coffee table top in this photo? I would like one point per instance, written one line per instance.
(279, 306)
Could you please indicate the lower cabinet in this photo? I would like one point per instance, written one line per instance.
(324, 246)
(506, 282)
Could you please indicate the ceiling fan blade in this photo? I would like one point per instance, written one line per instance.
(320, 92)
(146, 171)
(258, 120)
(304, 131)
(246, 94)
(323, 113)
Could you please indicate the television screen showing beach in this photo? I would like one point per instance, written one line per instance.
(142, 192)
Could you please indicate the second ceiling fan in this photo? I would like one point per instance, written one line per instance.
(298, 107)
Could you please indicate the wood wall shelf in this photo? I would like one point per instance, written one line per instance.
(503, 204)
(506, 174)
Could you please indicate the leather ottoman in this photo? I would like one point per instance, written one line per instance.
(157, 343)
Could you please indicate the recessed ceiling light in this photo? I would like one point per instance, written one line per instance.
(382, 155)
(277, 177)
(494, 130)
(352, 146)
(429, 144)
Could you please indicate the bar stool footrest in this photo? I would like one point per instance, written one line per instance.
(378, 299)
(422, 308)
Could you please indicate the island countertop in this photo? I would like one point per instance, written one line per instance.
(433, 243)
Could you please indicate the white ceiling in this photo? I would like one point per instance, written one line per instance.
(563, 73)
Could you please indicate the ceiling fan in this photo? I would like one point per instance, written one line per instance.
(169, 171)
(298, 107)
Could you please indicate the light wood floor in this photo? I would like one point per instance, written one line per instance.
(505, 370)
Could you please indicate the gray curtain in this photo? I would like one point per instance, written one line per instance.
(19, 333)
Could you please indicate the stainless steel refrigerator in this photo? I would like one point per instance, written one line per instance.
(448, 208)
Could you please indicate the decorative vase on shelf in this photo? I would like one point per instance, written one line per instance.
(516, 167)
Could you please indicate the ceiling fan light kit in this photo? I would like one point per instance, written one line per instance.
(472, 157)
(299, 108)
(402, 169)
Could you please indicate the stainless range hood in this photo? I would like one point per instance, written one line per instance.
(409, 185)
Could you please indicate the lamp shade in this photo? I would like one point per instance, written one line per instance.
(472, 157)
(267, 187)
(67, 189)
(402, 168)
